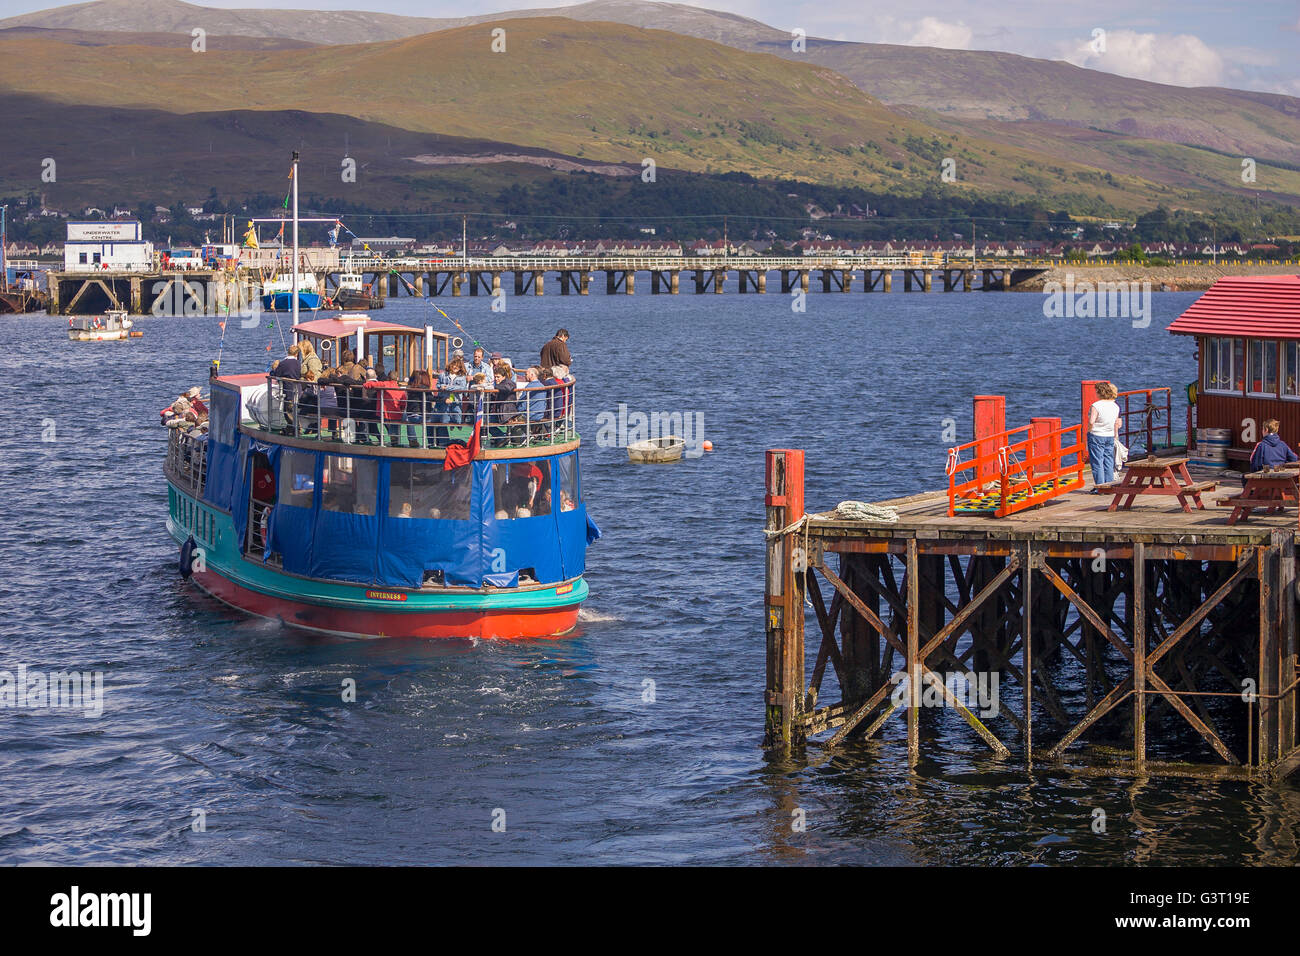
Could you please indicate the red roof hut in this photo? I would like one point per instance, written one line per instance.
(1247, 331)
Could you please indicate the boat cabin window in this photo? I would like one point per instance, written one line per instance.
(1223, 362)
(1291, 369)
(521, 489)
(394, 350)
(350, 485)
(1263, 367)
(422, 489)
(297, 478)
(568, 469)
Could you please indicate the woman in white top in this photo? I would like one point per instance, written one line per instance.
(1104, 426)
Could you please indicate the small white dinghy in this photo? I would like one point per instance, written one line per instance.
(655, 450)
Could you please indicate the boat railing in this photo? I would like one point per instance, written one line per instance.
(187, 460)
(402, 417)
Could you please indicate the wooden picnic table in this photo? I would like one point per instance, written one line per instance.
(1156, 476)
(1269, 490)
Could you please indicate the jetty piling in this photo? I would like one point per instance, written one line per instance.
(1146, 641)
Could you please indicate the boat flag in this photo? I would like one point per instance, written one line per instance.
(460, 455)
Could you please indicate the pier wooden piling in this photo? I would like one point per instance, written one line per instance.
(1147, 641)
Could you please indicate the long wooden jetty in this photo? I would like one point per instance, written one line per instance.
(1151, 640)
(139, 291)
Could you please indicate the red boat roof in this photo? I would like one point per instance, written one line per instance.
(340, 328)
(1261, 307)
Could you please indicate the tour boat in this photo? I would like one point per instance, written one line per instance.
(383, 511)
(110, 326)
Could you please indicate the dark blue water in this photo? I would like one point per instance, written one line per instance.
(207, 710)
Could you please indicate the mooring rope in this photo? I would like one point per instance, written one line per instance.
(864, 511)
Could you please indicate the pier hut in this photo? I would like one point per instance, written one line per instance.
(1152, 639)
(1247, 334)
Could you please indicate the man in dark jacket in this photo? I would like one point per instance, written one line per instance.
(555, 353)
(1272, 450)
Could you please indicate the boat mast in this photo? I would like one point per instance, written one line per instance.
(294, 292)
(4, 266)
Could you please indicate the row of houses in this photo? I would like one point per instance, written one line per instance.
(1026, 249)
(822, 247)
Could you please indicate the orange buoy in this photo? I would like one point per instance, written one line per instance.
(708, 445)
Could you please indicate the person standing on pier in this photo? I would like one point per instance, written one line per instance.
(1104, 426)
(555, 353)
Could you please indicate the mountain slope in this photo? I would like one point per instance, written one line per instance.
(613, 93)
(963, 83)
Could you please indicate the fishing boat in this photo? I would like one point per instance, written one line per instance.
(277, 293)
(111, 326)
(353, 294)
(383, 511)
(657, 450)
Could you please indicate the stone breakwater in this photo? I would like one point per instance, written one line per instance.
(1180, 278)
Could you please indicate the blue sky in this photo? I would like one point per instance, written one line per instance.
(1249, 45)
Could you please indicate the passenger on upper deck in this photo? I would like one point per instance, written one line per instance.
(555, 353)
(479, 364)
(502, 408)
(392, 401)
(308, 358)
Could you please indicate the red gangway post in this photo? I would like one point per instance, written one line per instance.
(1045, 441)
(990, 425)
(786, 564)
(1087, 395)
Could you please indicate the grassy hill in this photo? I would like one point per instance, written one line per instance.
(966, 84)
(611, 94)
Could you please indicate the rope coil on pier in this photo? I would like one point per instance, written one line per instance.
(864, 511)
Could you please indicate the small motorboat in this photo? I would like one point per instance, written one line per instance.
(656, 450)
(110, 326)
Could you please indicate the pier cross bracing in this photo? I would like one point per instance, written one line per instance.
(1147, 641)
(199, 290)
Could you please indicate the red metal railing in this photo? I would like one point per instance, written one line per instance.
(1023, 467)
(1149, 421)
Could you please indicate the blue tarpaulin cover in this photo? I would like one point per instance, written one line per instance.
(385, 551)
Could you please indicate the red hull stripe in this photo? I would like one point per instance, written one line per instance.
(491, 624)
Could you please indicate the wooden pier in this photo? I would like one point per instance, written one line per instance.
(1131, 642)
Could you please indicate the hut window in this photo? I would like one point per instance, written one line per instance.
(422, 489)
(350, 485)
(297, 478)
(1263, 367)
(1291, 369)
(1224, 364)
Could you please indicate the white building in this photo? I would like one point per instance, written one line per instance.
(106, 245)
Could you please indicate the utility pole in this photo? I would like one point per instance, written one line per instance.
(464, 238)
(4, 266)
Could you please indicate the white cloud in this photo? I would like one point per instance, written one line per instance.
(932, 31)
(1178, 59)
